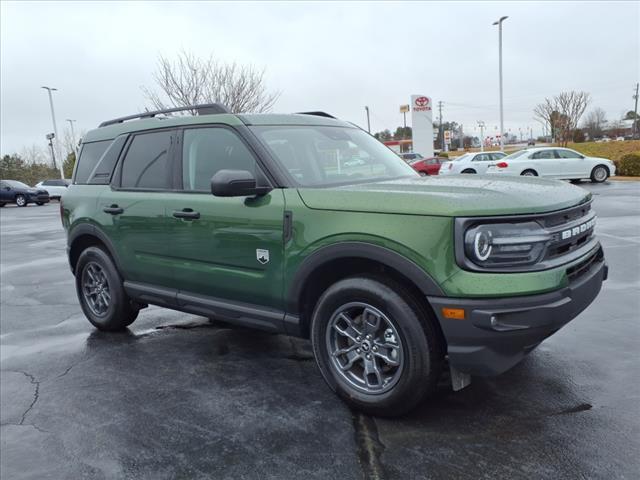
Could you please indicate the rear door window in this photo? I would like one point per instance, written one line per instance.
(146, 164)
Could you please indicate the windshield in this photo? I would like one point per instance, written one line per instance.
(327, 156)
(16, 184)
(515, 155)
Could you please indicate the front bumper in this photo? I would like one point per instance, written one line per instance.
(497, 333)
(38, 197)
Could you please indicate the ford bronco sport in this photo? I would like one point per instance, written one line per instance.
(306, 225)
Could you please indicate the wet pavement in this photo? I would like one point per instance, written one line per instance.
(179, 397)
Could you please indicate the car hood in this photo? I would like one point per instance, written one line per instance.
(459, 195)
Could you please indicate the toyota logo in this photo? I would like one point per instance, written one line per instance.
(422, 101)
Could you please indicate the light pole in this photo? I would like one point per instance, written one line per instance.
(73, 136)
(481, 124)
(499, 23)
(368, 122)
(55, 128)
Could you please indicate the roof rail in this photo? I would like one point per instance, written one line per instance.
(204, 109)
(317, 114)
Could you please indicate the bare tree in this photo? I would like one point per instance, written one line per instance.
(34, 154)
(190, 80)
(594, 122)
(562, 113)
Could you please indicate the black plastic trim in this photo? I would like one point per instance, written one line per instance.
(287, 226)
(497, 333)
(244, 314)
(389, 258)
(204, 109)
(91, 230)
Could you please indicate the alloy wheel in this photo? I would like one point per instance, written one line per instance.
(365, 348)
(95, 288)
(600, 174)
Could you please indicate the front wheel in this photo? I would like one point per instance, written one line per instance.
(529, 173)
(423, 174)
(39, 203)
(101, 293)
(376, 347)
(599, 174)
(21, 201)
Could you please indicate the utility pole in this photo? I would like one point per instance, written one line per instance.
(55, 129)
(440, 129)
(499, 23)
(368, 122)
(635, 114)
(50, 137)
(481, 124)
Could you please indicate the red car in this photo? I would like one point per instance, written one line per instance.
(427, 166)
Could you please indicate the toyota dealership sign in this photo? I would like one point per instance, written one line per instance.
(422, 125)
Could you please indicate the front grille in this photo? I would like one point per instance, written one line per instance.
(569, 229)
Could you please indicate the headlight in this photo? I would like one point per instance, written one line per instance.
(505, 244)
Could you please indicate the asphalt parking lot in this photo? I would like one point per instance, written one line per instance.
(179, 397)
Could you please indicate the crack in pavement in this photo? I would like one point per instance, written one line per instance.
(41, 430)
(370, 448)
(36, 395)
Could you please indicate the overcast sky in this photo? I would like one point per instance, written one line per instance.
(331, 56)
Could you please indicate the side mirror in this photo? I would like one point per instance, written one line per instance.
(236, 183)
(7, 188)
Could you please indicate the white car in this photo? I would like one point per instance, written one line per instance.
(55, 187)
(470, 163)
(551, 162)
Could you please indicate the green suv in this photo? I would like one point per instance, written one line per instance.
(306, 225)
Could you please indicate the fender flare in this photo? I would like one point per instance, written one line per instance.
(91, 230)
(362, 250)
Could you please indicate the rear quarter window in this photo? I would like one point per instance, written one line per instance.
(90, 154)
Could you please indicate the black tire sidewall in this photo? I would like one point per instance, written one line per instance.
(417, 348)
(120, 314)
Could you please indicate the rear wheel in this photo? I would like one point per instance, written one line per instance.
(375, 346)
(529, 173)
(599, 174)
(2, 204)
(101, 293)
(21, 201)
(423, 174)
(468, 170)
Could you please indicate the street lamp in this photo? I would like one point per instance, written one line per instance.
(55, 128)
(73, 135)
(499, 23)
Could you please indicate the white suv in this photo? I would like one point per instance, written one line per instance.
(55, 187)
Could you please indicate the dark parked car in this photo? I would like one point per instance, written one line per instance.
(427, 166)
(13, 191)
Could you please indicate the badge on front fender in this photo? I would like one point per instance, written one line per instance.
(262, 256)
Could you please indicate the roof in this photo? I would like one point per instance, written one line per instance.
(111, 131)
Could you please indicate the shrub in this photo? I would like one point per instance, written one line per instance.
(629, 165)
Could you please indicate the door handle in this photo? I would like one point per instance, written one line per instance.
(113, 209)
(187, 214)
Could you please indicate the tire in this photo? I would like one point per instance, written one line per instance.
(469, 170)
(39, 203)
(529, 173)
(423, 174)
(2, 205)
(111, 311)
(599, 174)
(21, 201)
(410, 332)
